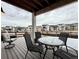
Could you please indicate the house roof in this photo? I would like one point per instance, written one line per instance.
(38, 6)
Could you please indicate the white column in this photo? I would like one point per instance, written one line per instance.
(33, 26)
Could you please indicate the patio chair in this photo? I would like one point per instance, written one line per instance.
(6, 39)
(37, 36)
(62, 54)
(30, 46)
(63, 36)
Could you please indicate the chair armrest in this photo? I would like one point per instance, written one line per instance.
(64, 55)
(73, 50)
(13, 36)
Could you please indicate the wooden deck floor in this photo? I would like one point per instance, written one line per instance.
(19, 51)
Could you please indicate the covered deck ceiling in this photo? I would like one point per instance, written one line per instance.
(39, 6)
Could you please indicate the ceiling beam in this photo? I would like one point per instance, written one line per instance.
(37, 2)
(19, 4)
(55, 5)
(30, 3)
(47, 2)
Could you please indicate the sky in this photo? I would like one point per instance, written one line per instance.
(15, 16)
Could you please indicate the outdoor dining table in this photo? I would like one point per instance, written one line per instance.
(50, 41)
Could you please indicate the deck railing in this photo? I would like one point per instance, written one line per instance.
(72, 34)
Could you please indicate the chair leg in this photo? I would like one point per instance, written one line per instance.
(66, 49)
(53, 52)
(40, 56)
(45, 53)
(57, 47)
(57, 57)
(53, 56)
(61, 47)
(26, 54)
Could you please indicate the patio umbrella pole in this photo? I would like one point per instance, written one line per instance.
(33, 27)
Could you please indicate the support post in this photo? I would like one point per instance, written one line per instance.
(33, 27)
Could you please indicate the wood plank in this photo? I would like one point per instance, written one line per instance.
(20, 52)
(17, 53)
(8, 54)
(47, 2)
(3, 52)
(37, 2)
(30, 3)
(13, 54)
